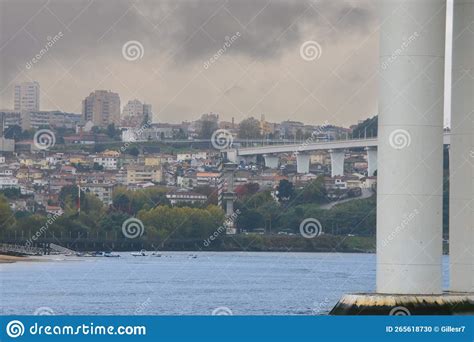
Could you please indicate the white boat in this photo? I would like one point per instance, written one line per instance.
(141, 253)
(111, 255)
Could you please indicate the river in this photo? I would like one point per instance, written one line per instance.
(177, 283)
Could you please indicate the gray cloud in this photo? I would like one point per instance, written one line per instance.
(178, 37)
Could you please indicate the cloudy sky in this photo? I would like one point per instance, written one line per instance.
(265, 68)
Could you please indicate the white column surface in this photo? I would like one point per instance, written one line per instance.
(302, 163)
(337, 162)
(461, 207)
(371, 161)
(410, 147)
(271, 161)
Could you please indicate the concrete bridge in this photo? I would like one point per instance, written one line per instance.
(336, 148)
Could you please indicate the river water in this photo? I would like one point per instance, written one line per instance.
(177, 283)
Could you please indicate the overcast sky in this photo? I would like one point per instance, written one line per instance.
(261, 71)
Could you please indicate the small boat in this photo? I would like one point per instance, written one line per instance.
(141, 253)
(156, 254)
(111, 255)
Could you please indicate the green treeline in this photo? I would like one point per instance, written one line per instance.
(258, 211)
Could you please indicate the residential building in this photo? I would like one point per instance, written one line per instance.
(142, 173)
(207, 179)
(184, 196)
(27, 97)
(108, 159)
(102, 108)
(103, 191)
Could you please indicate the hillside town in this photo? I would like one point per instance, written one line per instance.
(106, 147)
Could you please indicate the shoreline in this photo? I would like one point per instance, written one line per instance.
(10, 259)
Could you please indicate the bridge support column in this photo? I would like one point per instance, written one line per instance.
(410, 175)
(409, 190)
(371, 161)
(461, 215)
(302, 162)
(271, 161)
(337, 162)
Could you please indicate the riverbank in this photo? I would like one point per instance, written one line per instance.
(8, 259)
(324, 243)
(274, 243)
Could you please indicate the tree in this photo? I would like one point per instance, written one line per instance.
(247, 189)
(7, 218)
(207, 129)
(250, 220)
(285, 190)
(112, 132)
(249, 129)
(13, 132)
(133, 151)
(314, 192)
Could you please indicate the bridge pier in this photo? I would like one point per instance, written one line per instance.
(461, 215)
(410, 175)
(371, 161)
(337, 162)
(226, 193)
(271, 161)
(302, 162)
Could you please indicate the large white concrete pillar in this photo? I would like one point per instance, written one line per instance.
(461, 207)
(371, 161)
(337, 162)
(271, 161)
(302, 162)
(410, 150)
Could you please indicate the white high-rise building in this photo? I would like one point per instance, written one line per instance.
(135, 113)
(133, 108)
(27, 97)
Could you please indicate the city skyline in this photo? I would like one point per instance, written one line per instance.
(258, 73)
